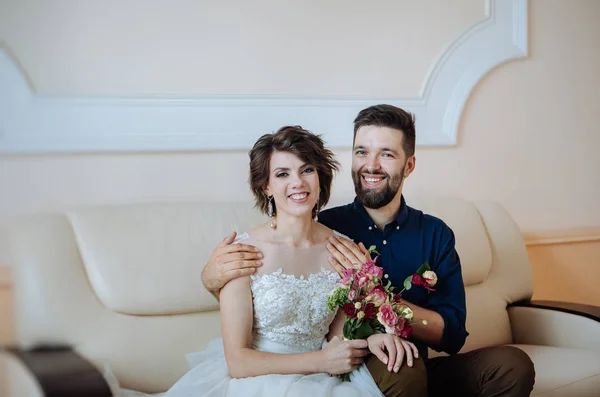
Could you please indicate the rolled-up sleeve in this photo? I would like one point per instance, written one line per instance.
(449, 297)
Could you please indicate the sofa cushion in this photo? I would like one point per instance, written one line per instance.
(140, 258)
(564, 372)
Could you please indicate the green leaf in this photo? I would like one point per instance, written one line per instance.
(408, 283)
(364, 331)
(378, 327)
(423, 268)
(373, 250)
(347, 331)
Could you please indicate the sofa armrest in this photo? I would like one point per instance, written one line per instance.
(579, 309)
(53, 372)
(559, 324)
(15, 378)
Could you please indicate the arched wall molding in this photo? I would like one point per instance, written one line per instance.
(31, 123)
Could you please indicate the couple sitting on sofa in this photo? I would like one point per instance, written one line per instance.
(279, 338)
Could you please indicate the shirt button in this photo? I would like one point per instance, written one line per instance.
(397, 227)
(384, 242)
(370, 228)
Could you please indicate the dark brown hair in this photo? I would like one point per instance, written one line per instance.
(304, 144)
(391, 117)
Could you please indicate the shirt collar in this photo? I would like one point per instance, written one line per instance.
(400, 218)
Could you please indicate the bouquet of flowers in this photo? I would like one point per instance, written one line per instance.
(370, 304)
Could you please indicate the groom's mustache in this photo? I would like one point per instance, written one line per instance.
(362, 173)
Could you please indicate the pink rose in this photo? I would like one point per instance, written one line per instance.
(377, 296)
(352, 295)
(403, 329)
(347, 276)
(371, 269)
(387, 317)
(377, 271)
(362, 279)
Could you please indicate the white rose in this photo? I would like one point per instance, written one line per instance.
(407, 313)
(430, 277)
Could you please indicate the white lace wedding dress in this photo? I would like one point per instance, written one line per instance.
(290, 316)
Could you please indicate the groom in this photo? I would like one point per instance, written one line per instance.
(383, 156)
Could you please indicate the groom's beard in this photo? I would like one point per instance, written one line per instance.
(381, 196)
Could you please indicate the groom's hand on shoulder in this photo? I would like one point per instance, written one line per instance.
(345, 253)
(229, 261)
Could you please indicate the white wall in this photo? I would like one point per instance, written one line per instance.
(232, 47)
(528, 135)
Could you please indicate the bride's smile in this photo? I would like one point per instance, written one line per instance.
(293, 184)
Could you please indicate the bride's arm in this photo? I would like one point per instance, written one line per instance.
(243, 361)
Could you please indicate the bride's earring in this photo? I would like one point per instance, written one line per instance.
(316, 212)
(270, 212)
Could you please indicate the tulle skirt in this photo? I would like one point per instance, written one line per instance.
(209, 377)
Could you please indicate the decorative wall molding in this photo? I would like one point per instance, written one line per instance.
(33, 123)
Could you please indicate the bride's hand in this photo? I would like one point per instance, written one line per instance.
(396, 348)
(341, 356)
(345, 253)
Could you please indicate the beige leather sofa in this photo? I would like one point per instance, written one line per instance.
(121, 286)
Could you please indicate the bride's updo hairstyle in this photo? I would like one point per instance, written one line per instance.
(304, 144)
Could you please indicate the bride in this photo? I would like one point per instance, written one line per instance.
(278, 337)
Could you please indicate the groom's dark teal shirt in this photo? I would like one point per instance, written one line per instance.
(410, 240)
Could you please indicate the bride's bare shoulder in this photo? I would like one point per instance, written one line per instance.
(327, 232)
(260, 232)
(323, 233)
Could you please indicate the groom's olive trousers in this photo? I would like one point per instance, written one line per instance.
(491, 371)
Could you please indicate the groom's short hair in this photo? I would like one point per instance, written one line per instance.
(392, 117)
(309, 147)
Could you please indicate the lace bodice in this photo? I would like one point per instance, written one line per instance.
(292, 310)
